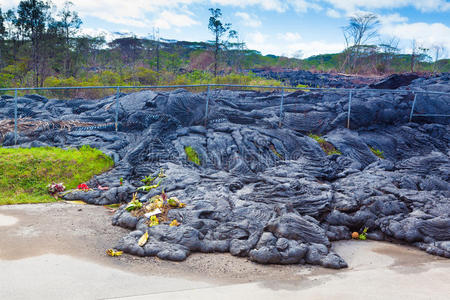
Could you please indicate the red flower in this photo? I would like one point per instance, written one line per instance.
(83, 187)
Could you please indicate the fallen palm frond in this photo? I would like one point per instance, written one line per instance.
(28, 125)
(23, 124)
(69, 124)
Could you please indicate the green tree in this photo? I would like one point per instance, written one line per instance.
(218, 29)
(86, 51)
(70, 24)
(11, 34)
(2, 33)
(129, 48)
(2, 26)
(172, 61)
(32, 20)
(156, 42)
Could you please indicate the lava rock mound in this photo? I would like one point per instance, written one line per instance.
(261, 190)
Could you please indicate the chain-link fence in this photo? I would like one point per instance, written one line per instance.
(83, 113)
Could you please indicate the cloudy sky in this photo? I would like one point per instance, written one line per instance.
(282, 27)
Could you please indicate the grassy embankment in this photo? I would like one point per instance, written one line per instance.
(25, 173)
(146, 77)
(142, 77)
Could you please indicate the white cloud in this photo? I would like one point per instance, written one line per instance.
(273, 5)
(133, 14)
(249, 20)
(282, 45)
(257, 38)
(290, 36)
(173, 15)
(7, 4)
(432, 5)
(392, 19)
(347, 6)
(425, 34)
(300, 6)
(332, 13)
(129, 21)
(108, 35)
(317, 47)
(351, 6)
(303, 6)
(138, 8)
(167, 19)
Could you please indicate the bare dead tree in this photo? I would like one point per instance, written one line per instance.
(418, 53)
(438, 52)
(389, 48)
(413, 54)
(157, 54)
(360, 30)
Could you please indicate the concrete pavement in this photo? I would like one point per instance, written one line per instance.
(37, 263)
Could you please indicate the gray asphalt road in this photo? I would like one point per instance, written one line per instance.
(56, 251)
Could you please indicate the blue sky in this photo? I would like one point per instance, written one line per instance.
(291, 27)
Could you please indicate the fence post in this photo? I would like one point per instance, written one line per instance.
(207, 107)
(281, 107)
(116, 120)
(15, 117)
(413, 106)
(349, 109)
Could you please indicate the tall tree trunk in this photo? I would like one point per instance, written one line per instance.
(34, 46)
(157, 56)
(67, 59)
(216, 54)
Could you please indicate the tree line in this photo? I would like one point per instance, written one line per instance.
(42, 45)
(39, 42)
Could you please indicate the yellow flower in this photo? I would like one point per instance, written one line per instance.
(153, 221)
(112, 252)
(174, 223)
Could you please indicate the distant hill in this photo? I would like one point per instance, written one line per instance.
(377, 62)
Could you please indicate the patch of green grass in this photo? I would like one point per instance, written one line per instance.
(335, 151)
(272, 148)
(327, 147)
(115, 205)
(192, 155)
(26, 172)
(377, 152)
(317, 138)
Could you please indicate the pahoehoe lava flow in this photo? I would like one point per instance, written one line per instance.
(262, 191)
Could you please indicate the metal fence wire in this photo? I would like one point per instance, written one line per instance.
(415, 109)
